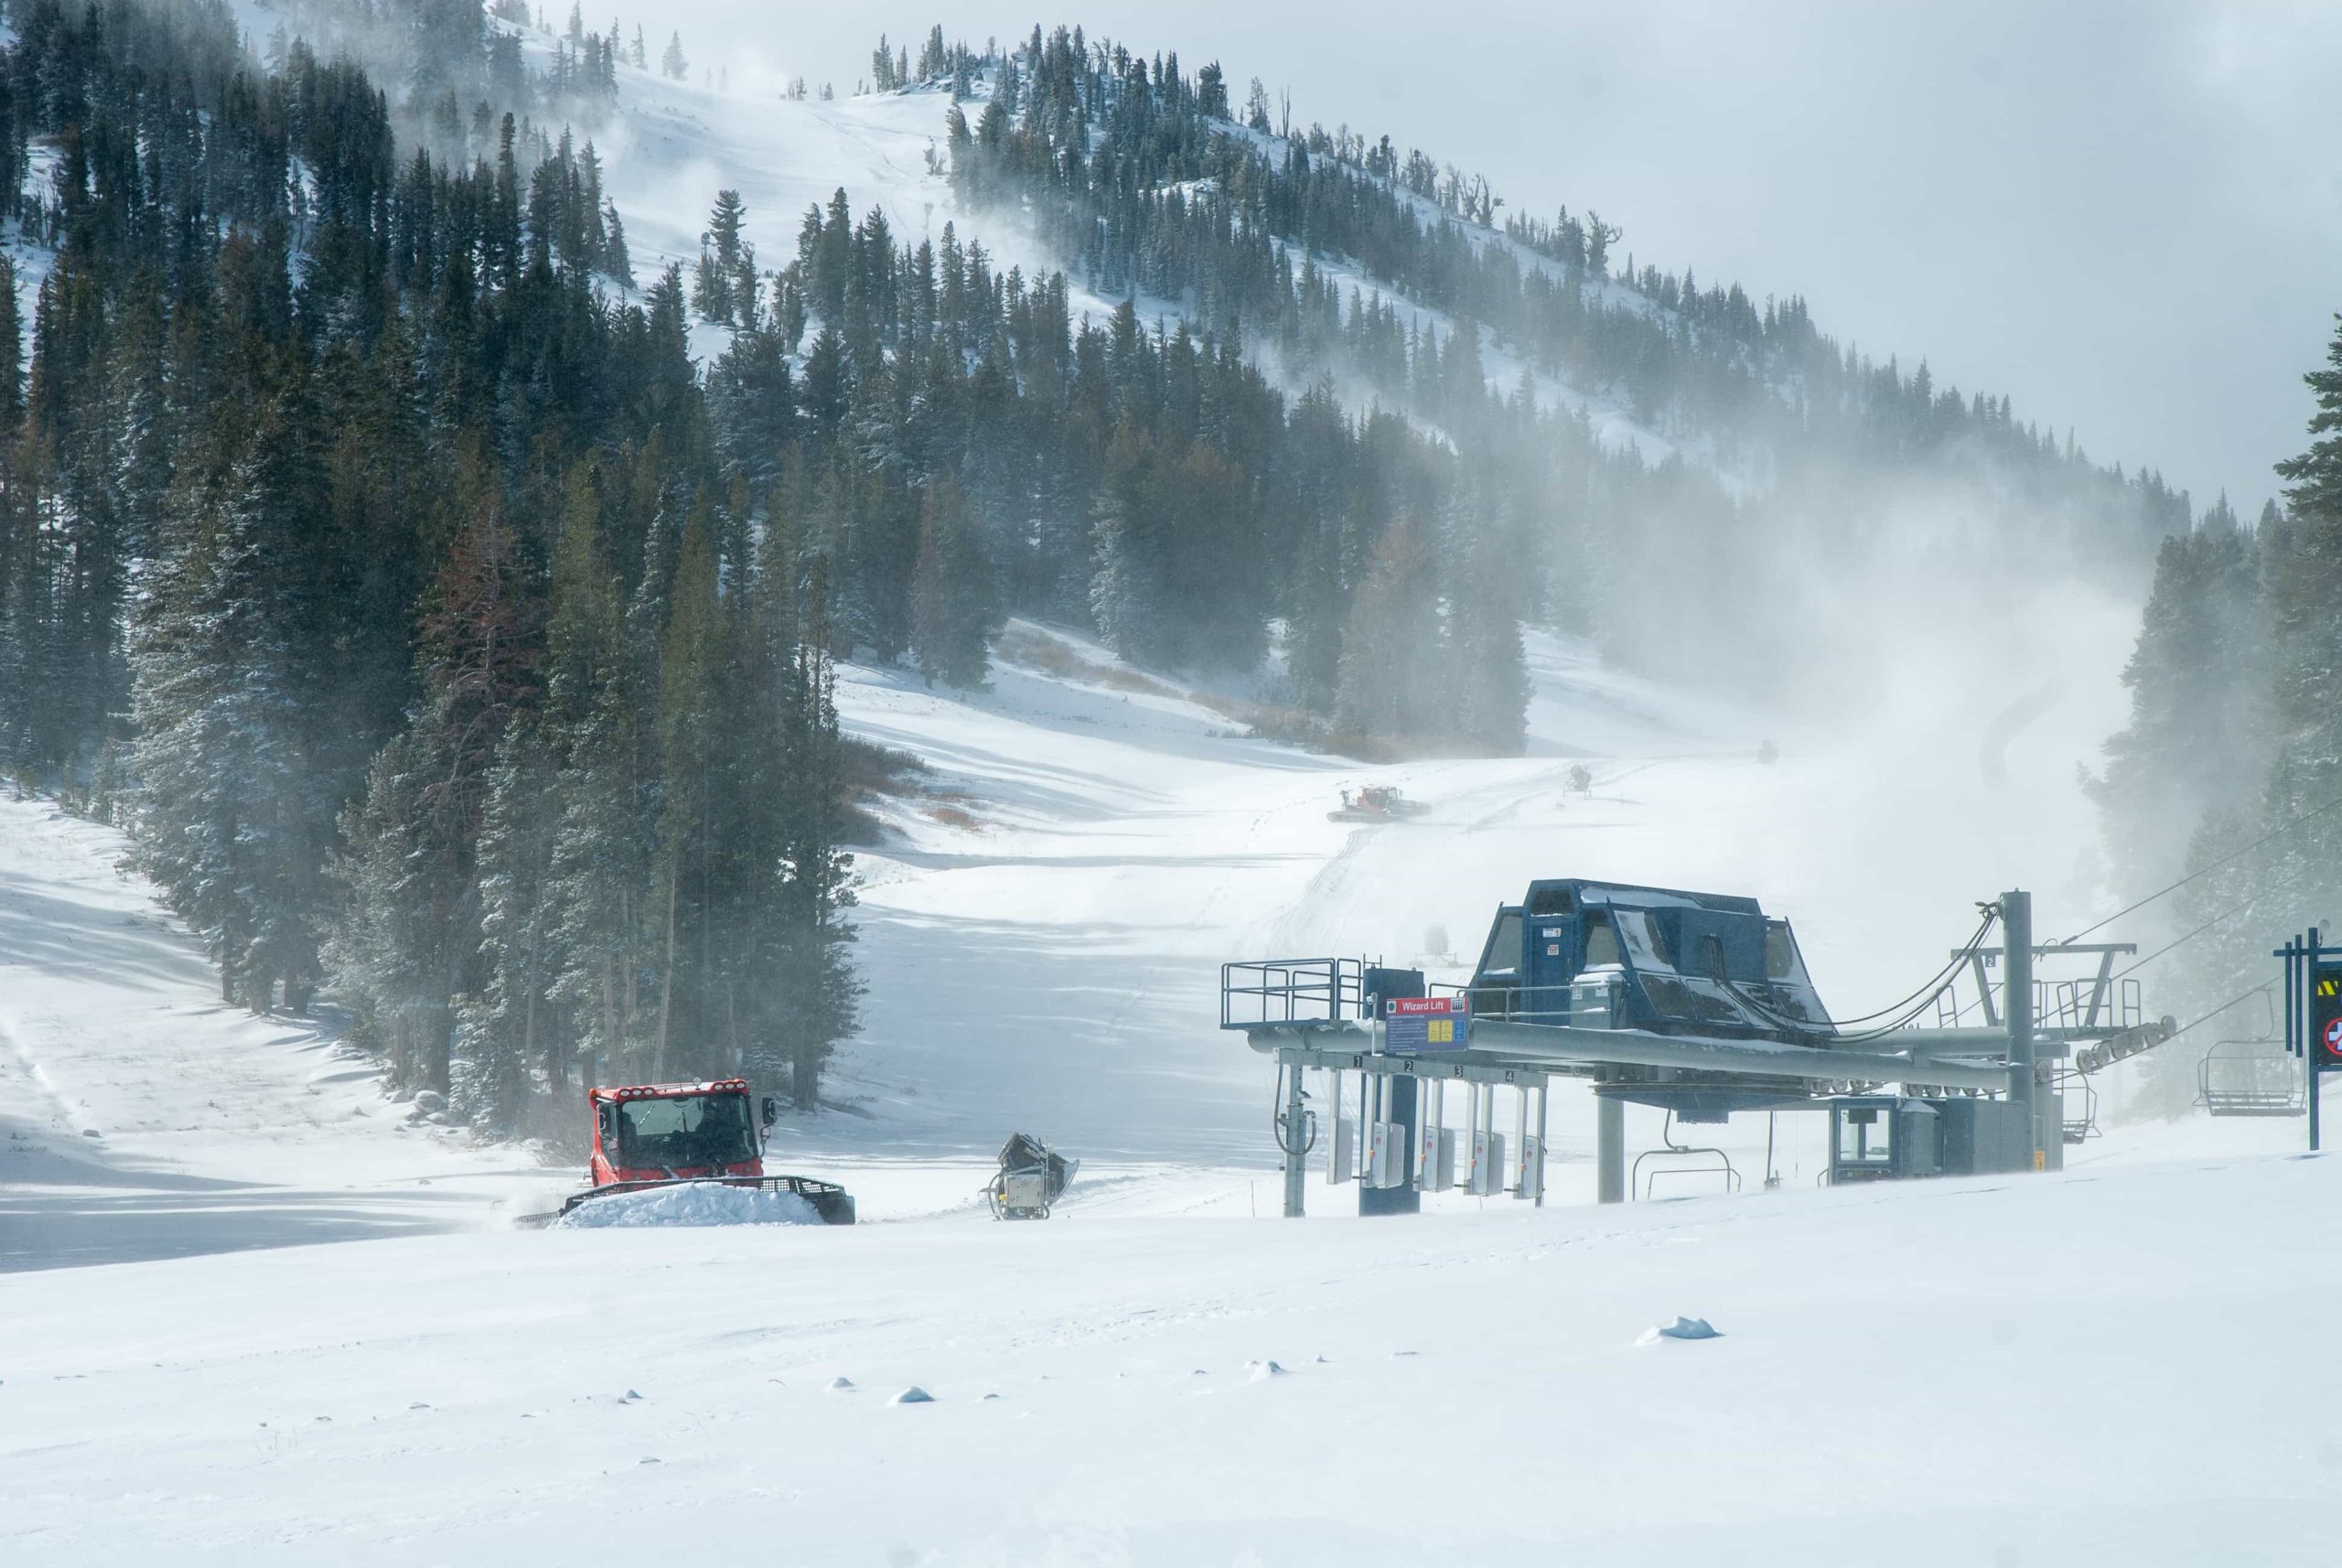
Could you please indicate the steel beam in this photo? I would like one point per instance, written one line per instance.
(1545, 1048)
(2016, 1005)
(1297, 1136)
(1610, 1149)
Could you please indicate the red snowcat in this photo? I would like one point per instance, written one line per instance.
(664, 1134)
(1375, 803)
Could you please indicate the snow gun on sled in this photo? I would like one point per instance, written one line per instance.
(1032, 1176)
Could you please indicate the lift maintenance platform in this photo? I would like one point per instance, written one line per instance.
(1697, 1004)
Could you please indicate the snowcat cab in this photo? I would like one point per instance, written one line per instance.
(662, 1135)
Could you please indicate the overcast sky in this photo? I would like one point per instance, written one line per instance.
(2126, 216)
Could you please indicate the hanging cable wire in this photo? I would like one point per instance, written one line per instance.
(2276, 832)
(1902, 1012)
(1943, 977)
(2231, 909)
(2215, 1012)
(1296, 1143)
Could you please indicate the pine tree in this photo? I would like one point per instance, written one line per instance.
(1391, 651)
(672, 65)
(1486, 674)
(233, 824)
(616, 262)
(955, 611)
(2195, 744)
(2314, 477)
(690, 724)
(12, 351)
(817, 977)
(724, 222)
(2305, 576)
(1123, 596)
(598, 868)
(507, 1031)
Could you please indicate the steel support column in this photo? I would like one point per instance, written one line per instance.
(1610, 1149)
(1295, 1137)
(2016, 1006)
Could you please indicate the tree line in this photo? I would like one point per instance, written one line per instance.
(1340, 263)
(373, 558)
(2227, 776)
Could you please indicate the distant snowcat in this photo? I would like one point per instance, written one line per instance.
(672, 1134)
(1375, 803)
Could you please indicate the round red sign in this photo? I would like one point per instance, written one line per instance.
(2333, 1037)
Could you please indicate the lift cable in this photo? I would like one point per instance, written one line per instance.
(2215, 1012)
(2231, 909)
(2278, 830)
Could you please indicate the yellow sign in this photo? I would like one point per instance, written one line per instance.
(1441, 1031)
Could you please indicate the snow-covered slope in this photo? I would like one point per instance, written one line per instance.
(141, 1117)
(1044, 932)
(2056, 1368)
(2080, 1369)
(672, 146)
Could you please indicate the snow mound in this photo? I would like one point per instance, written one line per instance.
(1682, 1329)
(694, 1203)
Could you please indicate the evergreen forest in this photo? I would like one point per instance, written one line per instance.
(377, 550)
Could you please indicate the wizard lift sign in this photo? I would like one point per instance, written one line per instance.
(1426, 1024)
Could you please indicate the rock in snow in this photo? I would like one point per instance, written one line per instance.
(1682, 1329)
(913, 1395)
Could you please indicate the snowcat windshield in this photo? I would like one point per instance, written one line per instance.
(688, 1131)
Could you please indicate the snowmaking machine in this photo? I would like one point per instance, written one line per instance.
(1375, 803)
(1031, 1178)
(655, 1135)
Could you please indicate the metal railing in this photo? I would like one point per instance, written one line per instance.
(1263, 992)
(2086, 1003)
(1519, 1004)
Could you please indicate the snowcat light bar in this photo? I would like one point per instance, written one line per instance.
(672, 1090)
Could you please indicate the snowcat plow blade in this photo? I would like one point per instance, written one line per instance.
(831, 1201)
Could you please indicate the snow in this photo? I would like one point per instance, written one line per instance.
(2082, 1368)
(2098, 1365)
(2086, 1367)
(695, 1203)
(672, 146)
(217, 1130)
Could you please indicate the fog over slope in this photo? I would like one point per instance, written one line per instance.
(2121, 213)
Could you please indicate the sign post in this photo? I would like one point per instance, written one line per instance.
(2313, 1015)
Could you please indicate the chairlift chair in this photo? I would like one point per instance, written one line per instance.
(2251, 1077)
